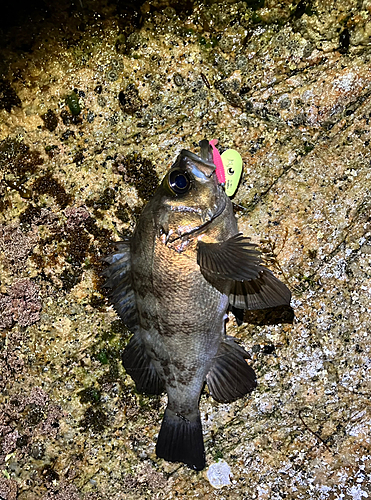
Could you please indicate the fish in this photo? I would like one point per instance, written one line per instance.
(172, 283)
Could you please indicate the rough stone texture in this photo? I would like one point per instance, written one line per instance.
(96, 99)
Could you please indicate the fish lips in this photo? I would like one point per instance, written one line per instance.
(202, 169)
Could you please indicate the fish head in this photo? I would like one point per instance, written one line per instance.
(189, 197)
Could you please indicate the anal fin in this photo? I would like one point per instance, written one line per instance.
(139, 366)
(230, 377)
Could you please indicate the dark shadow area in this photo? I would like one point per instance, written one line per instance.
(270, 316)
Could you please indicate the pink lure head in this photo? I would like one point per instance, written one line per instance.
(218, 162)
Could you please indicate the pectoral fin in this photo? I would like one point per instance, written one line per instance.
(235, 259)
(139, 366)
(261, 293)
(118, 276)
(230, 377)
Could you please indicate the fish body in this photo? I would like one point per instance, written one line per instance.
(172, 285)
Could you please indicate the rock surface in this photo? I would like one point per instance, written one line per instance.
(96, 100)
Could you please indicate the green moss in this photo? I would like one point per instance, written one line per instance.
(144, 401)
(102, 357)
(73, 103)
(308, 147)
(109, 351)
(208, 43)
(255, 18)
(120, 43)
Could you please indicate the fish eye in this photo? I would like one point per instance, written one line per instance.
(179, 181)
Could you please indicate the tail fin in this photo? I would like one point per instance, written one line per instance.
(180, 440)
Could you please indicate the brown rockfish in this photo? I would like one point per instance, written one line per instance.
(172, 285)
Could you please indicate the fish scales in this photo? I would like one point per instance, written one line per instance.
(171, 332)
(187, 265)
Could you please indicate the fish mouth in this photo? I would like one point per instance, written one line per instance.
(201, 227)
(200, 168)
